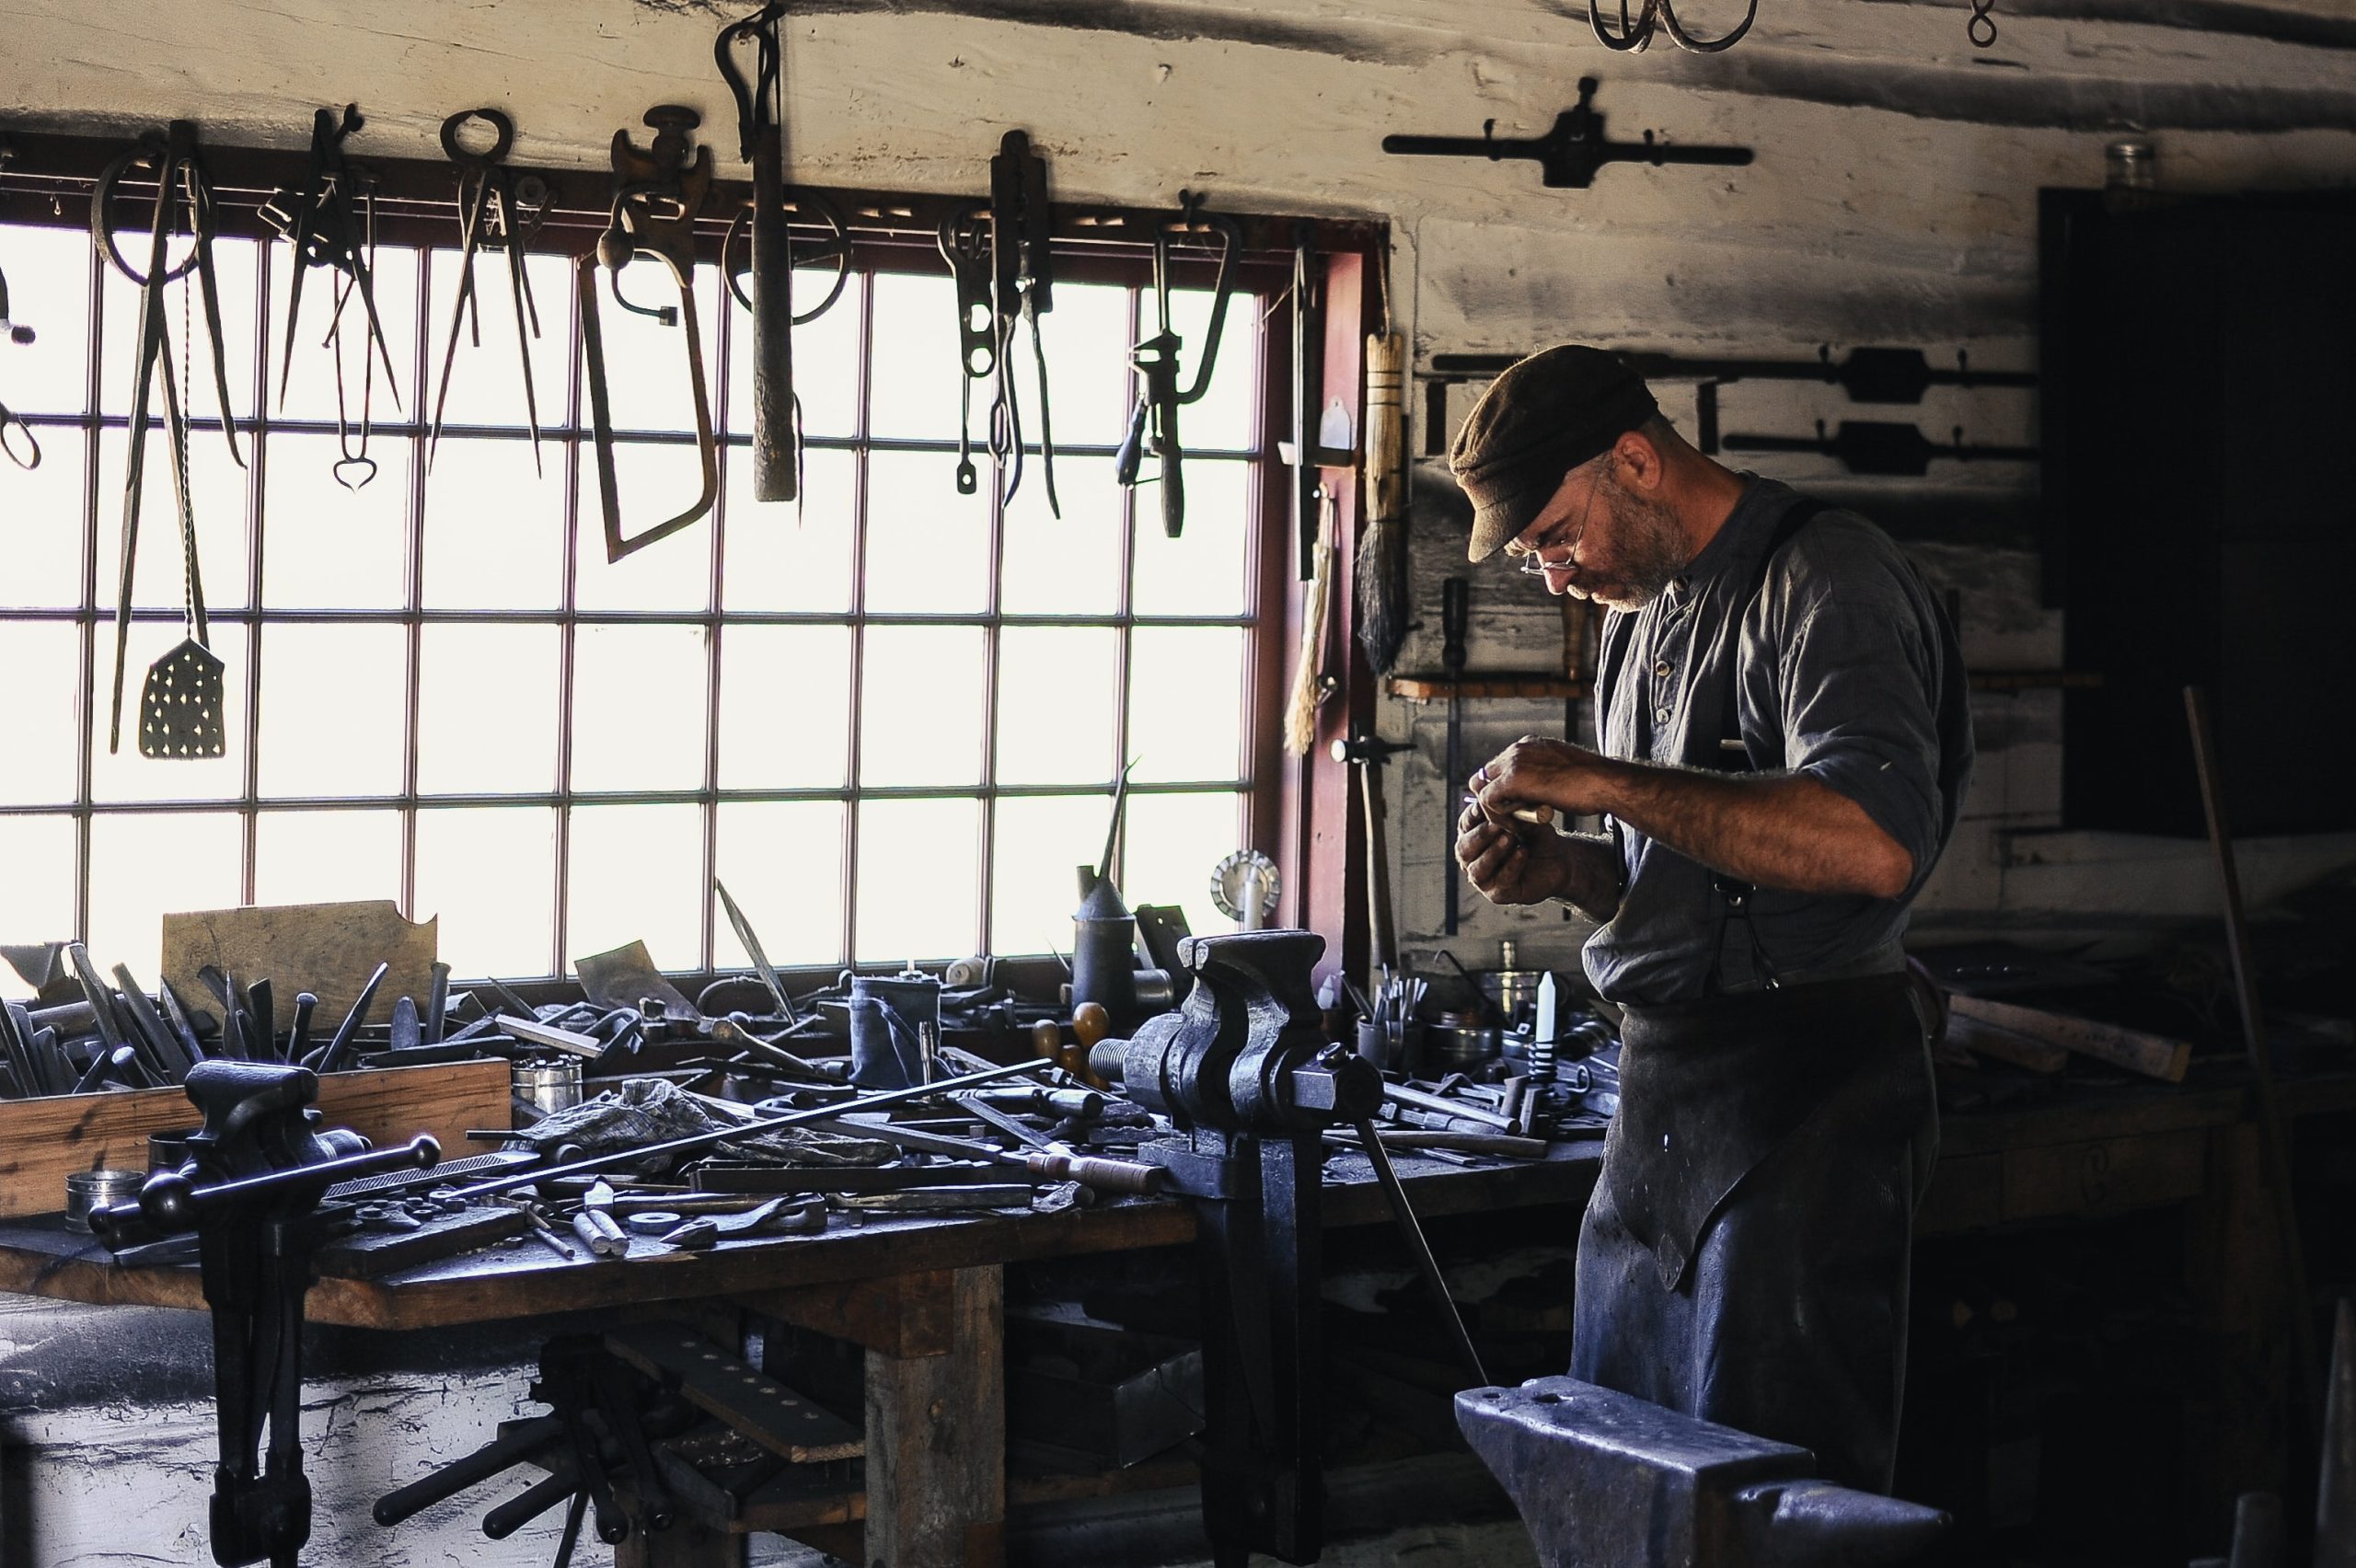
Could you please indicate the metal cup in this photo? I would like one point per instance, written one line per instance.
(549, 1086)
(88, 1190)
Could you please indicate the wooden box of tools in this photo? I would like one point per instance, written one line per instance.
(42, 1140)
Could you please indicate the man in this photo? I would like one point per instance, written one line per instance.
(1784, 742)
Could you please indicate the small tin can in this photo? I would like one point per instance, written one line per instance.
(549, 1086)
(88, 1190)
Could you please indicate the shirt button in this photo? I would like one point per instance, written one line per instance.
(1664, 668)
(1661, 715)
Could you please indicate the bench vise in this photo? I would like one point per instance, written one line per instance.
(250, 1188)
(1605, 1480)
(1248, 1083)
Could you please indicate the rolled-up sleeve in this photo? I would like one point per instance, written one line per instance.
(1860, 695)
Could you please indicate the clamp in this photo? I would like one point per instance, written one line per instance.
(1250, 1085)
(250, 1188)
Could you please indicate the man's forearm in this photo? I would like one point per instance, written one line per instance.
(1781, 831)
(1592, 874)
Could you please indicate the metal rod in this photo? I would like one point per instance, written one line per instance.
(2274, 1146)
(1396, 1195)
(748, 1129)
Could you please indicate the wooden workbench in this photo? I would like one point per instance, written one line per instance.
(922, 1294)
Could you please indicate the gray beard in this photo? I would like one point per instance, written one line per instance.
(1656, 549)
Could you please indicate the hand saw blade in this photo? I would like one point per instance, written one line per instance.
(761, 967)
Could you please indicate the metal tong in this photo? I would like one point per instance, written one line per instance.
(1153, 425)
(1000, 256)
(324, 223)
(500, 211)
(760, 130)
(658, 194)
(181, 185)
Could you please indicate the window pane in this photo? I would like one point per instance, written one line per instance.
(780, 559)
(324, 546)
(124, 774)
(1072, 567)
(143, 866)
(1170, 847)
(825, 357)
(1055, 704)
(646, 363)
(489, 874)
(487, 709)
(920, 706)
(1033, 889)
(218, 489)
(327, 857)
(490, 877)
(639, 695)
(1087, 334)
(333, 705)
(1182, 682)
(656, 482)
(783, 863)
(311, 384)
(913, 380)
(784, 707)
(49, 290)
(39, 853)
(1227, 419)
(233, 263)
(1201, 572)
(43, 662)
(919, 863)
(927, 547)
(636, 874)
(494, 531)
(43, 509)
(486, 379)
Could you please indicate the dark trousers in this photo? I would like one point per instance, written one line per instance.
(1790, 1321)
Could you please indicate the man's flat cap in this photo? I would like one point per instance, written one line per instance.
(1542, 417)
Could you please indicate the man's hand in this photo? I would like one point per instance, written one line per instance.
(1536, 771)
(1513, 863)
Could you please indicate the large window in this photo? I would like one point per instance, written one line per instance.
(889, 718)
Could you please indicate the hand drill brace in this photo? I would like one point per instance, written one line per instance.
(250, 1190)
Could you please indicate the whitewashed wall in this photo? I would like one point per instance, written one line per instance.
(1893, 201)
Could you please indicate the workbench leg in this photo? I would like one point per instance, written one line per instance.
(2239, 1435)
(684, 1545)
(936, 1440)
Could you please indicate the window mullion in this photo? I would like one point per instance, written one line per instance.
(256, 527)
(567, 631)
(87, 652)
(707, 935)
(861, 488)
(412, 685)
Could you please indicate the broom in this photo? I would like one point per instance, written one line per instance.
(1308, 687)
(1381, 567)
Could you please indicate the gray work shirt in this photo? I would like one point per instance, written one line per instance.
(1845, 671)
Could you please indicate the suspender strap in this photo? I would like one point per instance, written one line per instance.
(1734, 758)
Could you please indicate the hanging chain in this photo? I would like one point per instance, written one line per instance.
(1982, 28)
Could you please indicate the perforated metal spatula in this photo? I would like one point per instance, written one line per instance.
(181, 714)
(180, 707)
